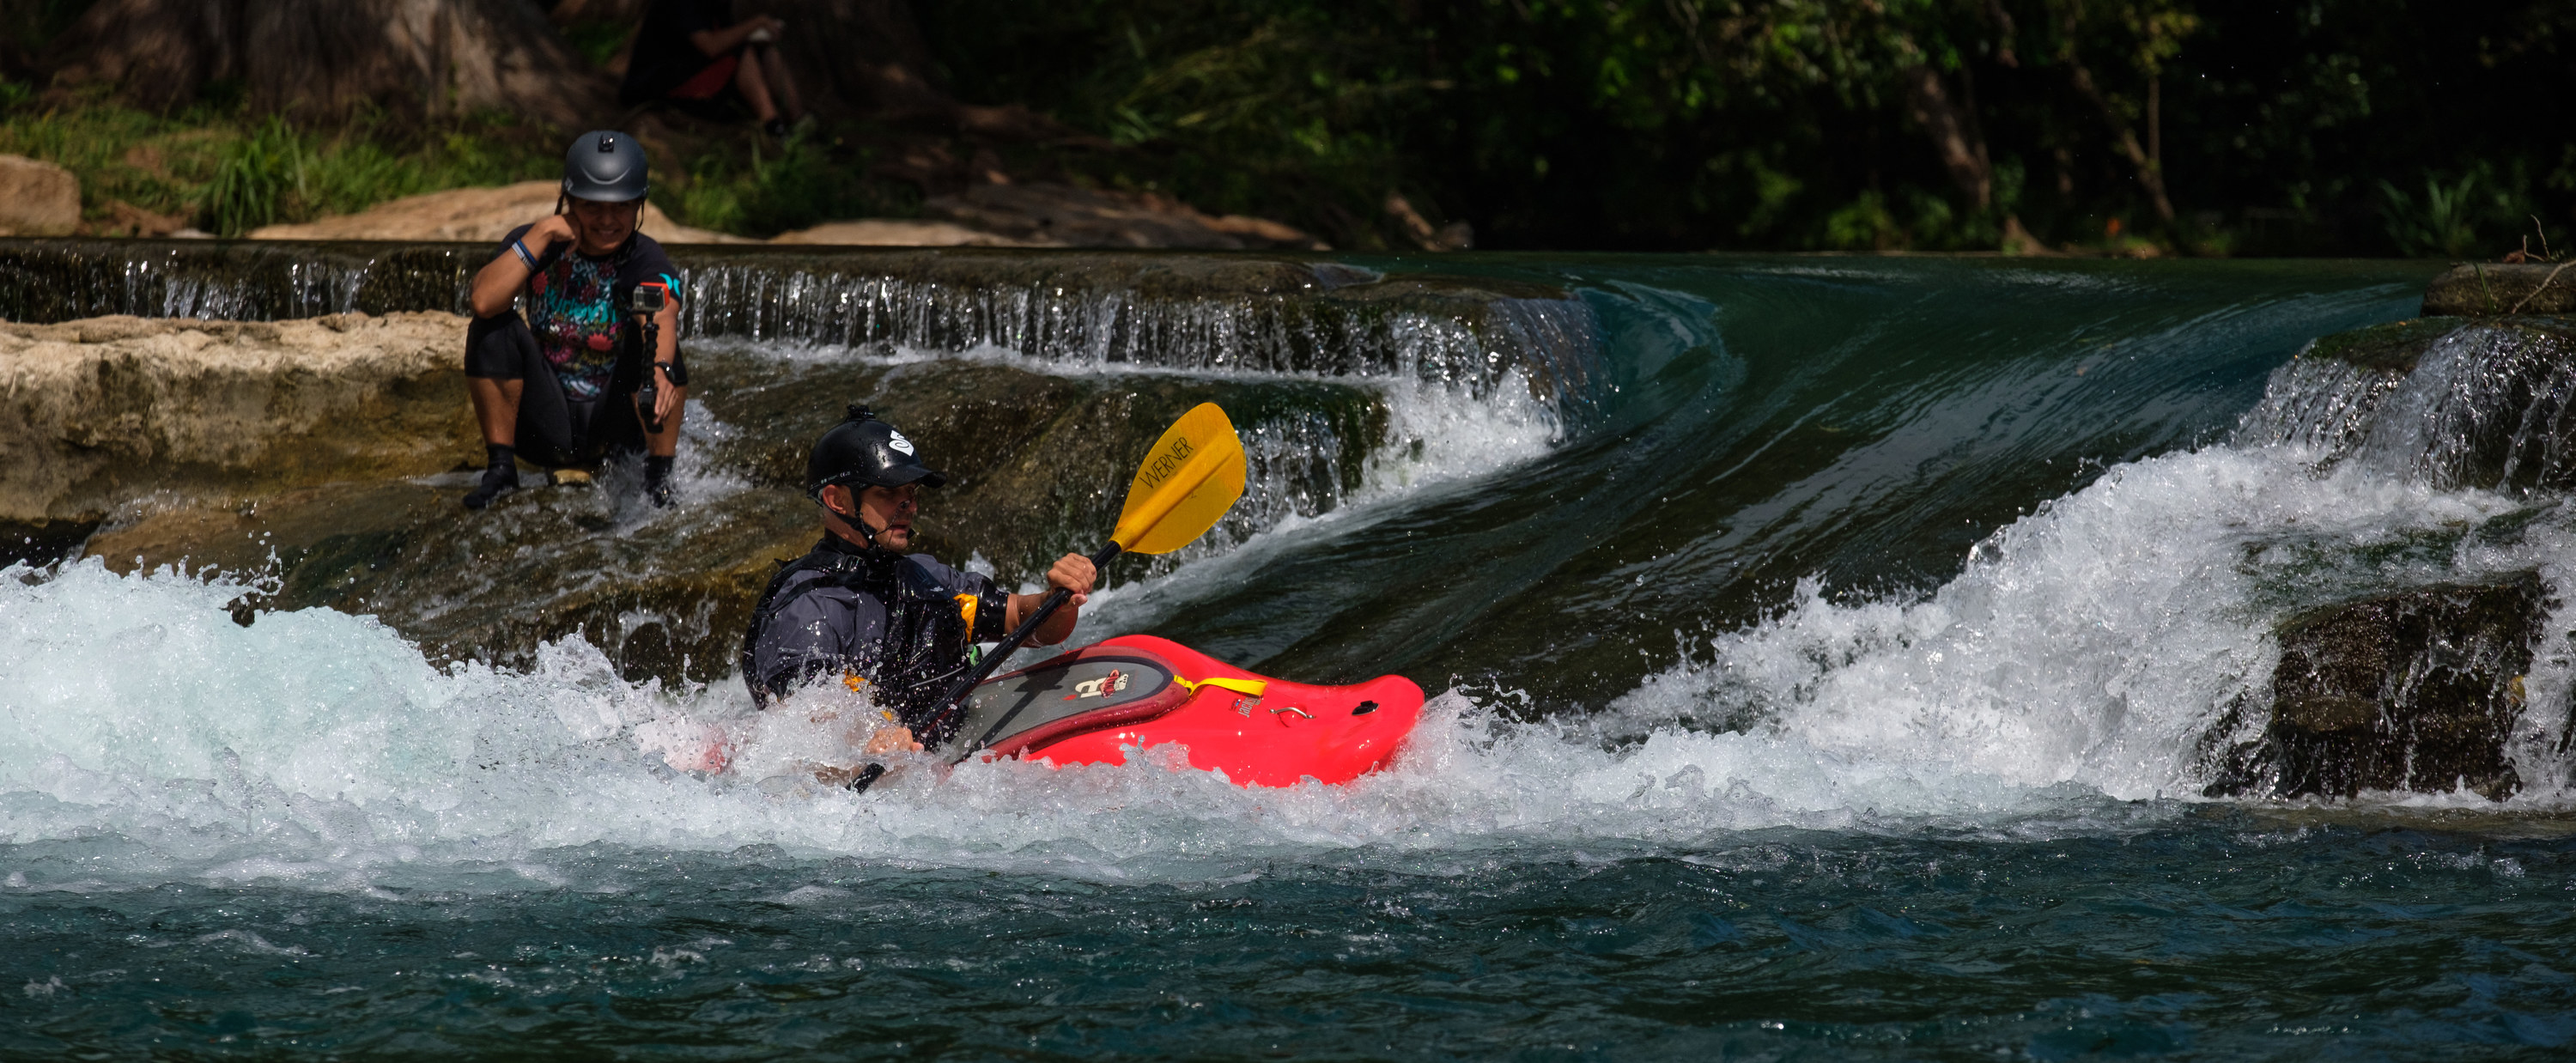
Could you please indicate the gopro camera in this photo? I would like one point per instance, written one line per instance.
(648, 299)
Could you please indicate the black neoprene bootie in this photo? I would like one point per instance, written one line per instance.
(657, 479)
(500, 477)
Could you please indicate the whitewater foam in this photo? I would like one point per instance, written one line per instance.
(148, 733)
(2095, 641)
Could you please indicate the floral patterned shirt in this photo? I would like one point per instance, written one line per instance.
(574, 303)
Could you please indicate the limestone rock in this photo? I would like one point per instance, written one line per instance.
(479, 215)
(37, 198)
(2416, 691)
(2481, 289)
(98, 413)
(1083, 217)
(899, 232)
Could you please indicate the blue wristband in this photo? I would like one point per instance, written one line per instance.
(524, 256)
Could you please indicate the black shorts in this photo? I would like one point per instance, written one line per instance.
(554, 430)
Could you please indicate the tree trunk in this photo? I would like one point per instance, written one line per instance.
(2150, 166)
(327, 57)
(1954, 134)
(2150, 175)
(1951, 123)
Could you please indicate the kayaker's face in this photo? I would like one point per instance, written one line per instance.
(600, 227)
(891, 509)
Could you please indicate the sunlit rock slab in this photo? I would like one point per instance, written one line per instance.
(97, 414)
(470, 214)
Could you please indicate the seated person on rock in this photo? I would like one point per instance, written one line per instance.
(899, 627)
(690, 52)
(568, 383)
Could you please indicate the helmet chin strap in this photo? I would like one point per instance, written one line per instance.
(855, 521)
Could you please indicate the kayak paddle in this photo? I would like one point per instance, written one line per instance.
(1190, 478)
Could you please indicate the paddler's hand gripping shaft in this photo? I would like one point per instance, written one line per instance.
(1191, 477)
(955, 698)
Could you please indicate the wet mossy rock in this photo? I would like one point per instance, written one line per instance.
(1038, 463)
(2395, 347)
(2482, 289)
(349, 474)
(2417, 691)
(2481, 403)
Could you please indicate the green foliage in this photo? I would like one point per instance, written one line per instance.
(598, 40)
(1863, 225)
(1547, 121)
(2448, 221)
(1795, 123)
(229, 174)
(254, 176)
(766, 191)
(1661, 124)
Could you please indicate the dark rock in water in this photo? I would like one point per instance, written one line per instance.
(1038, 466)
(41, 542)
(2482, 289)
(2396, 346)
(1060, 368)
(2476, 403)
(2416, 691)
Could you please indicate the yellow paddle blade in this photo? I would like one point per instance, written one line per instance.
(1190, 478)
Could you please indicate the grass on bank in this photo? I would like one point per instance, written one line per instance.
(218, 168)
(227, 172)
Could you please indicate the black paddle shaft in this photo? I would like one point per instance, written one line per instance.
(950, 703)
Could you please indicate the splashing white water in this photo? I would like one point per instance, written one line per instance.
(1437, 431)
(2069, 667)
(2095, 641)
(321, 748)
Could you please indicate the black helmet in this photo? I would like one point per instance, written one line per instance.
(865, 452)
(605, 166)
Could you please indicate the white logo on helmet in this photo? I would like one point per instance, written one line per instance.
(898, 442)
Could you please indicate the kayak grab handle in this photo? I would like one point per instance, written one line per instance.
(1294, 709)
(1250, 688)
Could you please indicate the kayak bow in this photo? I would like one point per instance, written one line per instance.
(1137, 692)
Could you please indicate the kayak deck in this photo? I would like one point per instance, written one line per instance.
(1138, 691)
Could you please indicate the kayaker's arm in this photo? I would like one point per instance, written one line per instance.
(1073, 572)
(499, 281)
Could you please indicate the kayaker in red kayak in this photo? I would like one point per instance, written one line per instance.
(861, 610)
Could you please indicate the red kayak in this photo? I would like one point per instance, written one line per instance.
(1090, 706)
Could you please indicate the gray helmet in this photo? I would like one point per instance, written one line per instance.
(865, 452)
(605, 166)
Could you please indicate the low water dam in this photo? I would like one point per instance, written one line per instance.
(1830, 658)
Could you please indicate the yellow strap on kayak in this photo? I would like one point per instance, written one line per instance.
(1250, 688)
